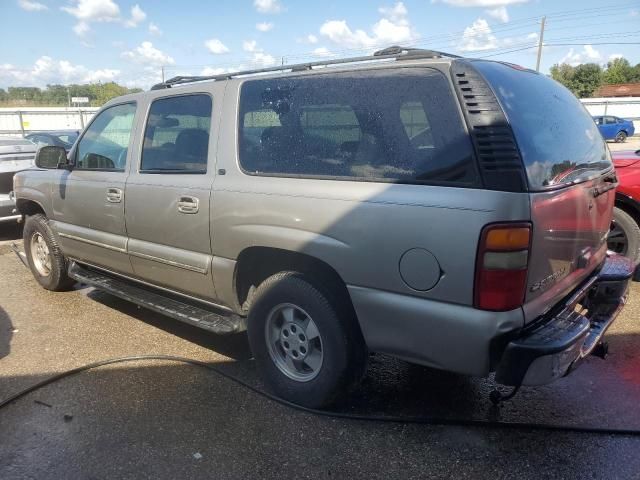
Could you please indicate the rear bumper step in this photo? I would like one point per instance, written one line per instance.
(553, 347)
(200, 316)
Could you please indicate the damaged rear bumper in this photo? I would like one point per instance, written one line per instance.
(553, 346)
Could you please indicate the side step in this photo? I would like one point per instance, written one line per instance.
(201, 316)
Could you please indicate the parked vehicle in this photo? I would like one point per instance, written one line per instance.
(61, 138)
(615, 128)
(16, 154)
(422, 206)
(624, 237)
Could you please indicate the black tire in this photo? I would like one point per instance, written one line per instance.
(57, 279)
(343, 347)
(624, 236)
(621, 137)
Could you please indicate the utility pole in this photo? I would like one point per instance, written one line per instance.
(162, 68)
(540, 44)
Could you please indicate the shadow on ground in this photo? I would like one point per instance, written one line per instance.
(6, 332)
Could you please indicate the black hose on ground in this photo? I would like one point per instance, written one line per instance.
(438, 421)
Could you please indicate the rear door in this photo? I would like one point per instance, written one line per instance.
(610, 128)
(570, 176)
(168, 194)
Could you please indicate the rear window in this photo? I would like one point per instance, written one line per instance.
(558, 139)
(400, 125)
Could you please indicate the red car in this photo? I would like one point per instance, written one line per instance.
(624, 237)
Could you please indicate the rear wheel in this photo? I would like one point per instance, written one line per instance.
(306, 342)
(46, 261)
(624, 235)
(621, 137)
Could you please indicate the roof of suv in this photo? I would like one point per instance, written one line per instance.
(352, 63)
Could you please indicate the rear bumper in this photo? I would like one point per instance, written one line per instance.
(553, 346)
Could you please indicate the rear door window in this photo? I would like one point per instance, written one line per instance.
(400, 125)
(557, 137)
(176, 138)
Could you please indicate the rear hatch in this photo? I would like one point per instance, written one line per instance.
(570, 178)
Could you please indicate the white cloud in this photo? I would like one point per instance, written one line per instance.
(311, 38)
(482, 3)
(264, 26)
(615, 56)
(250, 46)
(499, 13)
(81, 28)
(46, 70)
(394, 27)
(262, 59)
(137, 16)
(588, 54)
(31, 6)
(154, 29)
(94, 10)
(147, 54)
(478, 37)
(268, 6)
(323, 52)
(216, 47)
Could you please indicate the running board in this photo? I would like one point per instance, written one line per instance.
(219, 322)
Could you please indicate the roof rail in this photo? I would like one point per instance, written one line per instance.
(390, 53)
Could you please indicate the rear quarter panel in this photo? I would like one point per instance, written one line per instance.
(361, 229)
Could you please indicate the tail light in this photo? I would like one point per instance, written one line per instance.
(501, 266)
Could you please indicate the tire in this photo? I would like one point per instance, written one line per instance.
(342, 348)
(621, 137)
(40, 244)
(624, 236)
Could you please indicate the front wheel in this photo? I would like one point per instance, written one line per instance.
(46, 261)
(306, 342)
(624, 235)
(621, 137)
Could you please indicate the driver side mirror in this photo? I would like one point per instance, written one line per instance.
(51, 157)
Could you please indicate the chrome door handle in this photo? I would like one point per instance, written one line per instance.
(114, 195)
(189, 205)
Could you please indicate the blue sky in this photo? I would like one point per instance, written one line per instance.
(63, 41)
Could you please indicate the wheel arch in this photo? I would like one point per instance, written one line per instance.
(29, 207)
(628, 205)
(257, 263)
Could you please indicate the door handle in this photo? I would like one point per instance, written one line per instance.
(114, 195)
(189, 205)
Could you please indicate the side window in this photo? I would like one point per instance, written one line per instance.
(610, 120)
(105, 143)
(598, 120)
(400, 125)
(176, 138)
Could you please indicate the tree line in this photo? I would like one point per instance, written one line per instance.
(60, 95)
(583, 80)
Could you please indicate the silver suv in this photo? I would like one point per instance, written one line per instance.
(450, 212)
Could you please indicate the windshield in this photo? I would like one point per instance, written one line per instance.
(558, 139)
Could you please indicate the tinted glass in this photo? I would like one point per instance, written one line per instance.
(176, 138)
(558, 139)
(398, 125)
(105, 144)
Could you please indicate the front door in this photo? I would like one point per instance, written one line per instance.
(88, 201)
(168, 196)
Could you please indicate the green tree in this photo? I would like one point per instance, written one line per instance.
(582, 80)
(619, 70)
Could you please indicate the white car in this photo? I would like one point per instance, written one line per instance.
(16, 154)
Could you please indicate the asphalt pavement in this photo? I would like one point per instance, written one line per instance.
(158, 419)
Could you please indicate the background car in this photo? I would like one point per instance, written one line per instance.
(61, 138)
(614, 128)
(16, 154)
(624, 237)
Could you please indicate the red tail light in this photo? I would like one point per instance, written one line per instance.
(501, 266)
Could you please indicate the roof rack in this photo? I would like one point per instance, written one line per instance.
(390, 53)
